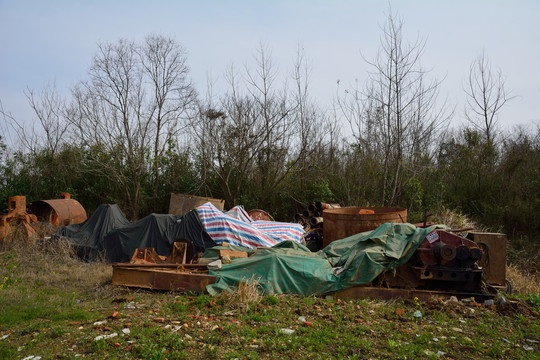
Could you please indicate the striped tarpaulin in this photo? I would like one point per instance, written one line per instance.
(237, 228)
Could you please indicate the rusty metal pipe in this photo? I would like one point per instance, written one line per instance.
(322, 205)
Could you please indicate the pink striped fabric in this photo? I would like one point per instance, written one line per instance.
(236, 227)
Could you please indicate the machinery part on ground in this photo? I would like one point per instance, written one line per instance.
(63, 211)
(443, 261)
(17, 215)
(493, 259)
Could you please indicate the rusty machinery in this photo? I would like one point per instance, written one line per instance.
(63, 211)
(17, 215)
(443, 261)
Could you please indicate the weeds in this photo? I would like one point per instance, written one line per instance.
(244, 297)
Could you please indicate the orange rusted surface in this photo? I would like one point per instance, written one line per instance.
(181, 203)
(258, 214)
(59, 211)
(340, 223)
(17, 215)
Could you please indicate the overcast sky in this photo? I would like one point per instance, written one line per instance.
(43, 41)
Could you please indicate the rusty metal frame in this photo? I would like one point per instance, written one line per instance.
(174, 277)
(393, 293)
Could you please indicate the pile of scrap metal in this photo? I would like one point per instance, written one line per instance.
(148, 269)
(108, 234)
(313, 222)
(396, 260)
(31, 217)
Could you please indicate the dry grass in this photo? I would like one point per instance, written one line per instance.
(455, 220)
(53, 263)
(522, 283)
(244, 297)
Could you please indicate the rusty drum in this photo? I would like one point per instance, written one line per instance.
(340, 223)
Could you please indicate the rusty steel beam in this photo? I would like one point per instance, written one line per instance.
(152, 277)
(393, 293)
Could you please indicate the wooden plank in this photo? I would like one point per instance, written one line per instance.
(233, 254)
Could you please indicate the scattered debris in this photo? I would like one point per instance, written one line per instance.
(108, 336)
(286, 331)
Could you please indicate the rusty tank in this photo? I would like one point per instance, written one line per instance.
(340, 223)
(63, 211)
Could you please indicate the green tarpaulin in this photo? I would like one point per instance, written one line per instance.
(292, 269)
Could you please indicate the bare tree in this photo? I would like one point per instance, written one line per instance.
(47, 133)
(396, 115)
(258, 132)
(486, 96)
(165, 65)
(130, 109)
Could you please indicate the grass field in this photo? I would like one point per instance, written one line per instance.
(56, 307)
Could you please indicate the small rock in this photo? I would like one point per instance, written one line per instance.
(286, 331)
(215, 265)
(98, 323)
(457, 329)
(301, 318)
(435, 339)
(467, 300)
(126, 331)
(417, 314)
(453, 299)
(101, 337)
(488, 302)
(440, 353)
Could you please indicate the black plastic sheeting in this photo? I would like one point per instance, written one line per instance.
(159, 232)
(108, 233)
(87, 237)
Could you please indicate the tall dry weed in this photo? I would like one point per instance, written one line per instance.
(244, 297)
(455, 220)
(53, 262)
(522, 282)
